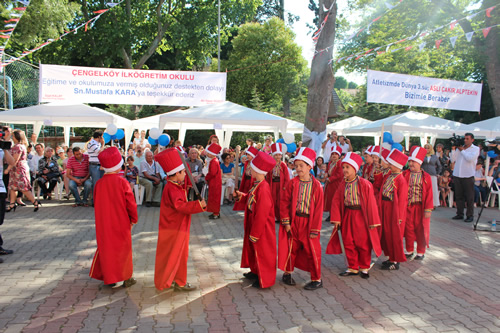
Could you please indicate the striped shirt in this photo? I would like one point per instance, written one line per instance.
(251, 196)
(415, 187)
(351, 193)
(276, 170)
(78, 168)
(304, 198)
(93, 149)
(388, 187)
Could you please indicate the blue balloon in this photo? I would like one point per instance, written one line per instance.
(397, 146)
(281, 140)
(492, 154)
(120, 134)
(152, 141)
(291, 147)
(387, 137)
(164, 140)
(113, 137)
(106, 137)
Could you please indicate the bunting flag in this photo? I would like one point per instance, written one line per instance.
(453, 40)
(15, 15)
(469, 36)
(318, 33)
(86, 25)
(438, 42)
(486, 31)
(489, 10)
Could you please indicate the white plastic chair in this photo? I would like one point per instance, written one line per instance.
(139, 194)
(494, 191)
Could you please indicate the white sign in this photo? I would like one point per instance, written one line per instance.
(130, 86)
(391, 88)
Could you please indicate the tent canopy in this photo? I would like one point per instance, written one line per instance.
(225, 118)
(341, 125)
(294, 127)
(67, 116)
(492, 125)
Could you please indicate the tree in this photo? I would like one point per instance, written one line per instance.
(340, 82)
(352, 85)
(322, 78)
(264, 57)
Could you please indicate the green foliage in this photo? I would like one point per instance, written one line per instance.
(352, 85)
(340, 82)
(268, 60)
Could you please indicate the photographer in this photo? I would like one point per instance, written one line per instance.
(332, 141)
(48, 172)
(5, 156)
(465, 159)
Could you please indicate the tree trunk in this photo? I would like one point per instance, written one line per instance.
(322, 78)
(286, 107)
(493, 68)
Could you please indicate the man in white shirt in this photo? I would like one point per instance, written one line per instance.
(33, 162)
(328, 144)
(94, 147)
(345, 144)
(465, 159)
(150, 178)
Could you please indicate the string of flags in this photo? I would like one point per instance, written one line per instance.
(86, 25)
(17, 11)
(488, 12)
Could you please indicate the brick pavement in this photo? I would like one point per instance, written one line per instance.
(45, 285)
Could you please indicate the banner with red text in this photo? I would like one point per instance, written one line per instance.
(130, 86)
(392, 88)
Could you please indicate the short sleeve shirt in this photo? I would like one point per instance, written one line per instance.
(78, 168)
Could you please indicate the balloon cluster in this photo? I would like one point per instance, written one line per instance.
(113, 133)
(156, 137)
(392, 141)
(492, 154)
(288, 140)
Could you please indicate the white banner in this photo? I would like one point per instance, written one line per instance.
(130, 86)
(391, 88)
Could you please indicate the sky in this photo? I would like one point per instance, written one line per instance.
(299, 7)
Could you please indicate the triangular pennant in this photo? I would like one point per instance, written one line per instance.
(111, 4)
(488, 11)
(378, 48)
(486, 31)
(470, 17)
(452, 25)
(438, 43)
(380, 52)
(389, 6)
(408, 48)
(11, 20)
(20, 8)
(376, 19)
(360, 31)
(394, 50)
(469, 35)
(100, 11)
(401, 40)
(453, 40)
(423, 34)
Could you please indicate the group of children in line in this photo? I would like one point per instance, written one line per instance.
(373, 212)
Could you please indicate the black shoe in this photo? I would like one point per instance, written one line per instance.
(288, 279)
(37, 205)
(130, 282)
(256, 284)
(327, 219)
(313, 285)
(409, 256)
(365, 275)
(156, 204)
(4, 251)
(111, 285)
(186, 287)
(458, 217)
(469, 219)
(348, 273)
(148, 204)
(386, 263)
(214, 217)
(418, 257)
(11, 207)
(250, 275)
(393, 266)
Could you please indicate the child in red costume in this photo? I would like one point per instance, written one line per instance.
(368, 166)
(246, 178)
(175, 221)
(420, 205)
(393, 204)
(115, 213)
(213, 177)
(301, 217)
(278, 178)
(259, 241)
(354, 210)
(335, 177)
(380, 175)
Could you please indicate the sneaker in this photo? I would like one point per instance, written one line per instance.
(288, 279)
(4, 251)
(393, 266)
(313, 285)
(409, 256)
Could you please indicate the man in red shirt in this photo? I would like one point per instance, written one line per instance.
(78, 174)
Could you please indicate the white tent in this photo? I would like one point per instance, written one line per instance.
(492, 125)
(417, 124)
(67, 116)
(225, 118)
(294, 127)
(342, 125)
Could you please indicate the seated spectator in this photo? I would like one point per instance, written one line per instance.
(228, 177)
(78, 173)
(444, 186)
(267, 145)
(139, 157)
(69, 153)
(480, 186)
(495, 173)
(48, 173)
(196, 165)
(131, 172)
(33, 162)
(150, 178)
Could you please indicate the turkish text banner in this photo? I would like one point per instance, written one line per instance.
(130, 86)
(392, 88)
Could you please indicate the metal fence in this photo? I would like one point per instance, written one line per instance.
(18, 85)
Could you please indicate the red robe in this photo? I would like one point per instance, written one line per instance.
(367, 171)
(245, 186)
(310, 263)
(278, 187)
(115, 209)
(417, 228)
(335, 177)
(259, 240)
(173, 236)
(393, 217)
(214, 181)
(353, 230)
(379, 179)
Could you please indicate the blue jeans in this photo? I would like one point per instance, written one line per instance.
(87, 187)
(95, 174)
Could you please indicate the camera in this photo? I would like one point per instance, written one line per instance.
(493, 145)
(457, 140)
(4, 144)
